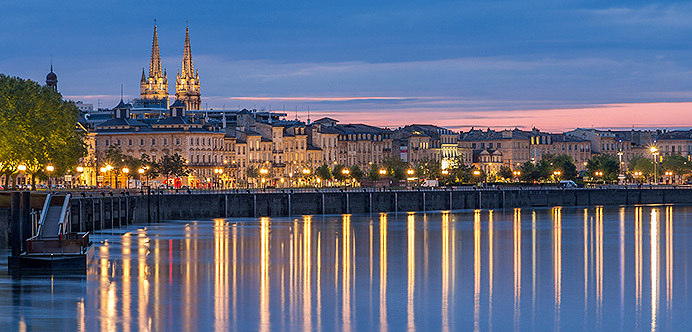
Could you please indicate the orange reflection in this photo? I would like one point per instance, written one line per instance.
(383, 272)
(127, 262)
(533, 266)
(669, 261)
(557, 263)
(598, 234)
(143, 281)
(264, 275)
(586, 261)
(447, 254)
(476, 270)
(655, 267)
(517, 266)
(221, 275)
(411, 260)
(307, 273)
(491, 268)
(346, 273)
(638, 263)
(234, 233)
(107, 289)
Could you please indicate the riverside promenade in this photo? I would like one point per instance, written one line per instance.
(98, 212)
(94, 211)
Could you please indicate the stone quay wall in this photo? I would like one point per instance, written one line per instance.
(103, 212)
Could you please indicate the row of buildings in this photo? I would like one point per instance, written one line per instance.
(229, 145)
(239, 140)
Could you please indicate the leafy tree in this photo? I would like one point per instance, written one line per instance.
(338, 174)
(564, 164)
(323, 172)
(677, 164)
(429, 169)
(37, 129)
(174, 166)
(606, 163)
(374, 173)
(643, 165)
(357, 173)
(505, 172)
(395, 167)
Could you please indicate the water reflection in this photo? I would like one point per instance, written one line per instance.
(587, 269)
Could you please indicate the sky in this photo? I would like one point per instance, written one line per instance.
(552, 64)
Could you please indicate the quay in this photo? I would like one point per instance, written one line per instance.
(95, 211)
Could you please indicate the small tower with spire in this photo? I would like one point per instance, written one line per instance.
(52, 79)
(187, 79)
(155, 86)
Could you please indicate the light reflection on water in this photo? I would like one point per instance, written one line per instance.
(612, 268)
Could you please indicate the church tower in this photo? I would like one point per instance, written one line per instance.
(155, 87)
(187, 79)
(52, 79)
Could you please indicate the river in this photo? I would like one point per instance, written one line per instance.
(570, 269)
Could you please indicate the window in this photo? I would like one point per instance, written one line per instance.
(153, 141)
(107, 143)
(129, 142)
(165, 141)
(141, 141)
(118, 141)
(192, 141)
(499, 145)
(177, 141)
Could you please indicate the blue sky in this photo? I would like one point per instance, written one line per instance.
(385, 62)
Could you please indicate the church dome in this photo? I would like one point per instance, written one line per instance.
(51, 78)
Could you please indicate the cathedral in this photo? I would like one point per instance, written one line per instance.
(154, 88)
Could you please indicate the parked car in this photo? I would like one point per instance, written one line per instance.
(568, 184)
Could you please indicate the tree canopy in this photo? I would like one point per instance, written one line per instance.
(37, 128)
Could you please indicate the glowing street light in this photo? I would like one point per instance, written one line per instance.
(476, 172)
(50, 168)
(306, 171)
(654, 154)
(80, 169)
(345, 171)
(21, 168)
(383, 171)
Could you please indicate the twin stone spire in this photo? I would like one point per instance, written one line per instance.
(155, 86)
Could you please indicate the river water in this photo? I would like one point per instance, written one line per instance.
(571, 269)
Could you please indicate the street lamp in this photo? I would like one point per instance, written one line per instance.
(654, 154)
(383, 172)
(264, 172)
(126, 171)
(218, 172)
(50, 170)
(556, 174)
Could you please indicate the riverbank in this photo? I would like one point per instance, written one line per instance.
(104, 211)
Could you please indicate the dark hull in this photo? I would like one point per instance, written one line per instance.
(55, 263)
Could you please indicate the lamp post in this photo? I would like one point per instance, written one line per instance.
(126, 171)
(218, 172)
(264, 173)
(517, 174)
(141, 172)
(556, 174)
(654, 154)
(110, 176)
(80, 170)
(21, 168)
(50, 170)
(345, 172)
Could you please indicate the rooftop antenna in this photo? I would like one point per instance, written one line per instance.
(121, 91)
(308, 114)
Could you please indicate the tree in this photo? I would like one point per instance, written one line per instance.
(338, 173)
(395, 167)
(374, 173)
(323, 172)
(173, 166)
(357, 173)
(429, 169)
(643, 165)
(676, 164)
(505, 172)
(606, 163)
(37, 129)
(564, 164)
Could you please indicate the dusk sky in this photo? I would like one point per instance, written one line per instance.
(551, 64)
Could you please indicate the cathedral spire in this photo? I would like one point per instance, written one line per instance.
(155, 63)
(187, 80)
(187, 69)
(155, 87)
